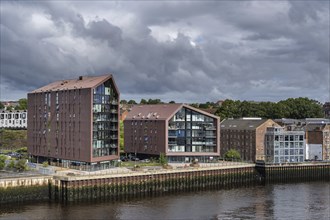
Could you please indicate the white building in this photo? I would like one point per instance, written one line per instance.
(284, 146)
(13, 119)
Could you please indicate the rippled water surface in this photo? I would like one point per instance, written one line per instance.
(276, 201)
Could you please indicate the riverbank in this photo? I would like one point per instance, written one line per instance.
(72, 185)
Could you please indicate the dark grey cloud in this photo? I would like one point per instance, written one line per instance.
(183, 51)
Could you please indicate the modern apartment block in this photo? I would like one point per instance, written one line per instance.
(75, 122)
(245, 135)
(284, 145)
(181, 132)
(16, 119)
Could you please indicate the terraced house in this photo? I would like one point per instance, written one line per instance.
(181, 132)
(75, 122)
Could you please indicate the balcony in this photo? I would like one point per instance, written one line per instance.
(210, 128)
(113, 111)
(210, 144)
(113, 145)
(211, 136)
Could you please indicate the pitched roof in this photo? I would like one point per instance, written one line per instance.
(79, 83)
(159, 111)
(242, 124)
(315, 127)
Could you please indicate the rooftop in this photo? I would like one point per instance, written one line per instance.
(79, 83)
(159, 111)
(242, 124)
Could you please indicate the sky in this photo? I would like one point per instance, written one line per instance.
(185, 51)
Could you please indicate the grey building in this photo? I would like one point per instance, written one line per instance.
(284, 146)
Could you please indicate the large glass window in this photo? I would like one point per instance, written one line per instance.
(193, 131)
(105, 120)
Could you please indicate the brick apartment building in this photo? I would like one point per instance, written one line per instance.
(75, 122)
(317, 141)
(179, 131)
(246, 135)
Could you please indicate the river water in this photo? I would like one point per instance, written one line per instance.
(309, 200)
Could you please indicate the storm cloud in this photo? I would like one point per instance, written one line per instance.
(182, 51)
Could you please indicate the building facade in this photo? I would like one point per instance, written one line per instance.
(16, 119)
(179, 131)
(75, 122)
(317, 141)
(326, 110)
(246, 135)
(284, 146)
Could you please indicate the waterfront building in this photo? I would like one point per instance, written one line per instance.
(246, 135)
(179, 131)
(317, 141)
(75, 122)
(16, 119)
(326, 110)
(284, 145)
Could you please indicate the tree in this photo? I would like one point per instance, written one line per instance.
(132, 102)
(299, 108)
(143, 102)
(123, 101)
(2, 106)
(22, 104)
(9, 108)
(154, 101)
(204, 105)
(229, 109)
(2, 161)
(195, 105)
(232, 155)
(172, 102)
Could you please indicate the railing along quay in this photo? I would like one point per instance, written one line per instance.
(72, 188)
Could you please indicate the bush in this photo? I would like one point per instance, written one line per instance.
(11, 164)
(232, 155)
(45, 164)
(21, 165)
(163, 159)
(2, 161)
